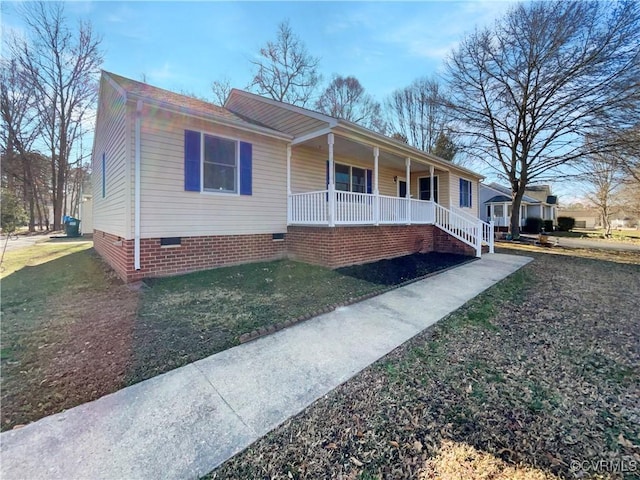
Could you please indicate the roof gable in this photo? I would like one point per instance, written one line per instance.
(183, 103)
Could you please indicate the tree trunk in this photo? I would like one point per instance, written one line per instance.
(516, 201)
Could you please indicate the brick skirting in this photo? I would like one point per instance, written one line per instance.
(330, 247)
(341, 246)
(193, 253)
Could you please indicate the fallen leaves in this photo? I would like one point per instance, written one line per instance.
(555, 380)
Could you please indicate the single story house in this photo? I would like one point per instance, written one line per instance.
(496, 204)
(180, 184)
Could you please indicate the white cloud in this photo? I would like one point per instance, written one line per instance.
(162, 74)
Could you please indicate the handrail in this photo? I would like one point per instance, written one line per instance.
(324, 207)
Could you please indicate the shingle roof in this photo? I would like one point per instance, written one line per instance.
(499, 199)
(507, 192)
(180, 101)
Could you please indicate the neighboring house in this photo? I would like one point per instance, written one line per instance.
(584, 217)
(496, 204)
(180, 184)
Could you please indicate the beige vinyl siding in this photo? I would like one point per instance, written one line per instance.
(309, 172)
(167, 210)
(110, 212)
(455, 193)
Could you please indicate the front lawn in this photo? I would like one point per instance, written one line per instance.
(72, 332)
(535, 378)
(189, 317)
(626, 235)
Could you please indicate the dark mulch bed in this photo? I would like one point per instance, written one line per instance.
(395, 271)
(542, 370)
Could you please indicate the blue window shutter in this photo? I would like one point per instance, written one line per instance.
(191, 161)
(246, 166)
(470, 194)
(461, 192)
(369, 180)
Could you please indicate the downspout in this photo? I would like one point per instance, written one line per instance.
(136, 190)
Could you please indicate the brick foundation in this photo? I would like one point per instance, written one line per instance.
(329, 247)
(342, 246)
(193, 253)
(445, 243)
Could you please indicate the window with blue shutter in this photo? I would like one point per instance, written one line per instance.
(369, 181)
(216, 164)
(465, 193)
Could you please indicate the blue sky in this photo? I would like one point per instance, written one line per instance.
(184, 46)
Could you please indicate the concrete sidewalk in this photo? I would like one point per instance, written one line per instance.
(188, 421)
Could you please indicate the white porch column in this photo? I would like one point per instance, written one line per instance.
(408, 194)
(431, 172)
(332, 184)
(289, 205)
(376, 192)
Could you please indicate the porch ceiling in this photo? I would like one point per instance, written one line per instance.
(346, 147)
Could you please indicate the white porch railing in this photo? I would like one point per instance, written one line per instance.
(354, 208)
(393, 210)
(312, 208)
(309, 208)
(469, 230)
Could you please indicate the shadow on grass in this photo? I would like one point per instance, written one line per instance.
(66, 336)
(398, 270)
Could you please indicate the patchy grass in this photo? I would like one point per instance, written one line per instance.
(72, 332)
(39, 254)
(65, 320)
(622, 235)
(615, 256)
(539, 375)
(189, 317)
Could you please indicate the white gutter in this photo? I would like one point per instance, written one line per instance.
(136, 190)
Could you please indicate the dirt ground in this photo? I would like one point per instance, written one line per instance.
(541, 372)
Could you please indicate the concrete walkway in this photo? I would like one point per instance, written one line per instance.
(188, 421)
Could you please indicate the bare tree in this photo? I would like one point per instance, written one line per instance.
(346, 98)
(20, 128)
(418, 112)
(62, 65)
(603, 176)
(221, 90)
(528, 90)
(285, 71)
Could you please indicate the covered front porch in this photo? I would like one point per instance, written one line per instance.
(358, 184)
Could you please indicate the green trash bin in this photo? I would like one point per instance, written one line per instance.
(72, 227)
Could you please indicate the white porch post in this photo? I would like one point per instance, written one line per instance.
(431, 172)
(408, 193)
(289, 200)
(376, 192)
(332, 185)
